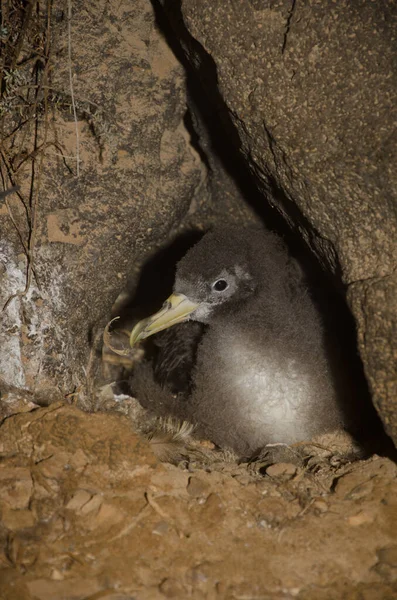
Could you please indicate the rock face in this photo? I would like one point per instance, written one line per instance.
(107, 172)
(309, 88)
(138, 177)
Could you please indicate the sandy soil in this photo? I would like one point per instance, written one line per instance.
(88, 512)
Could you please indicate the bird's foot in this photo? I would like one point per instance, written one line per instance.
(278, 453)
(317, 462)
(330, 451)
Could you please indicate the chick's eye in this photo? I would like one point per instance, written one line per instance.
(220, 285)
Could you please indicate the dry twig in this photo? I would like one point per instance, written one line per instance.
(71, 87)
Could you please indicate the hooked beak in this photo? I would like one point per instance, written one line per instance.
(175, 309)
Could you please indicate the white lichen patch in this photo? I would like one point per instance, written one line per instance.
(41, 308)
(28, 326)
(13, 277)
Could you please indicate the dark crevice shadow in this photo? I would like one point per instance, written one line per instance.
(195, 139)
(154, 286)
(157, 278)
(203, 95)
(326, 288)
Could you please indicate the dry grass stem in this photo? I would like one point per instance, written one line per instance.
(71, 87)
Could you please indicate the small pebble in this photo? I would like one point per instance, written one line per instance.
(362, 518)
(284, 470)
(320, 506)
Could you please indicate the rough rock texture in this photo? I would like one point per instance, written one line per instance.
(88, 512)
(139, 176)
(309, 88)
(139, 179)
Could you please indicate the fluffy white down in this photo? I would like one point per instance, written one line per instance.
(269, 395)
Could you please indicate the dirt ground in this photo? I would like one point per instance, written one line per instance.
(88, 512)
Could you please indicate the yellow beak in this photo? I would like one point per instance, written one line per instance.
(176, 309)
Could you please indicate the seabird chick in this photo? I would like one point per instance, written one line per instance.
(261, 373)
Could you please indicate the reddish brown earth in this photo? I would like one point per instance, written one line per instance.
(88, 512)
